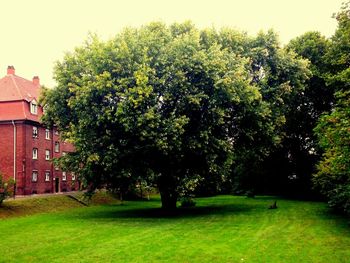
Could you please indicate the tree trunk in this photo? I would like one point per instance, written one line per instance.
(167, 190)
(168, 200)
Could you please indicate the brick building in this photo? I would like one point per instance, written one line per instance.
(26, 146)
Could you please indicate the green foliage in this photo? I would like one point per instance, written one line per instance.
(281, 77)
(6, 188)
(339, 55)
(174, 105)
(187, 202)
(289, 167)
(333, 175)
(333, 129)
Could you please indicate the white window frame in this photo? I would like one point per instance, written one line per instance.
(57, 146)
(64, 176)
(34, 178)
(47, 134)
(47, 176)
(35, 132)
(35, 154)
(73, 176)
(34, 107)
(47, 155)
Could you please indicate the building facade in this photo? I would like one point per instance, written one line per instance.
(26, 146)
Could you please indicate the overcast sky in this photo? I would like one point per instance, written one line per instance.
(36, 33)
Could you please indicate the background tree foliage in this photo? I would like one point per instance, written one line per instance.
(281, 78)
(333, 129)
(289, 168)
(175, 106)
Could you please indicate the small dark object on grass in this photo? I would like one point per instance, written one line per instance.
(273, 206)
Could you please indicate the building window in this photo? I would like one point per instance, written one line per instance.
(47, 134)
(73, 176)
(35, 132)
(47, 176)
(64, 176)
(47, 155)
(35, 153)
(34, 176)
(57, 147)
(33, 107)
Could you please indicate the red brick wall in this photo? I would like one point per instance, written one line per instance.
(6, 150)
(25, 164)
(20, 158)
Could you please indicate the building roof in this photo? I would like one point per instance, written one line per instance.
(15, 95)
(13, 87)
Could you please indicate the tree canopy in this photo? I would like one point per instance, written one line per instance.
(333, 129)
(173, 105)
(289, 168)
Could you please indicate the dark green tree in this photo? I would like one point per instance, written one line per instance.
(280, 77)
(333, 173)
(289, 168)
(333, 130)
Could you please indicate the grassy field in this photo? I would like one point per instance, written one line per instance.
(219, 229)
(49, 203)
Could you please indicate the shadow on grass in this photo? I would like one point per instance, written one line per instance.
(124, 212)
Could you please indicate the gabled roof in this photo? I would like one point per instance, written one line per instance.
(15, 95)
(13, 87)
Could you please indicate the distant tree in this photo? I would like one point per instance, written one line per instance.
(333, 130)
(280, 76)
(289, 168)
(6, 188)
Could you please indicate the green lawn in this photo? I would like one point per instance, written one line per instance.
(219, 229)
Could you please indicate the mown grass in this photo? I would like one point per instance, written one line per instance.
(219, 229)
(50, 203)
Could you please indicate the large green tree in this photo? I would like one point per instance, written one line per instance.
(172, 105)
(333, 130)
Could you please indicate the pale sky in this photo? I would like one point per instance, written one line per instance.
(36, 33)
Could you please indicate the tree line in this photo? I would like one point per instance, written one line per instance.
(207, 111)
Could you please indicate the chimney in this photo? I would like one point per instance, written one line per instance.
(36, 81)
(10, 70)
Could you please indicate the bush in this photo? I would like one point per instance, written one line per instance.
(250, 194)
(339, 198)
(333, 171)
(6, 188)
(187, 202)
